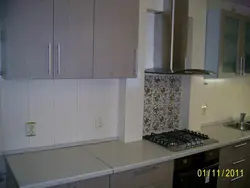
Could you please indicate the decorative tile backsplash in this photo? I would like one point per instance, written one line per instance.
(162, 103)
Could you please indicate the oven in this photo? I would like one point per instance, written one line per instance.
(199, 170)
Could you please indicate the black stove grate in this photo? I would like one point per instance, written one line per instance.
(182, 139)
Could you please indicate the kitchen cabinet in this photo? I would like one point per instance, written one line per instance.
(10, 179)
(154, 176)
(73, 38)
(236, 157)
(101, 182)
(226, 44)
(27, 39)
(116, 38)
(246, 44)
(70, 39)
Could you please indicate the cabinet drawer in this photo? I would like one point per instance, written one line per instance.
(158, 185)
(237, 180)
(101, 182)
(235, 164)
(147, 176)
(234, 152)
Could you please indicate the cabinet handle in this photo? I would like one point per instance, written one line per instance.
(58, 59)
(240, 145)
(244, 66)
(238, 162)
(50, 59)
(135, 63)
(240, 70)
(237, 178)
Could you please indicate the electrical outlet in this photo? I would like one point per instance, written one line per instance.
(99, 122)
(30, 128)
(204, 109)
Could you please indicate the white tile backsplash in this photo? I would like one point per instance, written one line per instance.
(226, 99)
(64, 111)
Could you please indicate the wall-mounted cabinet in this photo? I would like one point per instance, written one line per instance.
(70, 39)
(227, 44)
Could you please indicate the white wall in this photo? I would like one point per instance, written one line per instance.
(134, 95)
(64, 110)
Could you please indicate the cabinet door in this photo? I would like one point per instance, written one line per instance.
(246, 54)
(27, 39)
(116, 38)
(230, 40)
(247, 172)
(100, 182)
(158, 185)
(156, 176)
(73, 38)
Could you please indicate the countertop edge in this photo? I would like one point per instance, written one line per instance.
(177, 156)
(69, 179)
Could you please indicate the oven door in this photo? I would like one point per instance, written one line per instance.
(190, 179)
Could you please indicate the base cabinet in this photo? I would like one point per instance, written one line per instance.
(235, 158)
(155, 176)
(102, 182)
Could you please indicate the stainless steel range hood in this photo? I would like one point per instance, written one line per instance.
(173, 38)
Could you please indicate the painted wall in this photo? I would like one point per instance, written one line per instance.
(132, 90)
(64, 110)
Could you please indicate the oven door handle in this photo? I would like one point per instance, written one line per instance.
(195, 170)
(210, 166)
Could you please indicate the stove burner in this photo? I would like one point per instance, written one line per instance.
(180, 139)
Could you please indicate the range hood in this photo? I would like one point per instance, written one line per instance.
(173, 37)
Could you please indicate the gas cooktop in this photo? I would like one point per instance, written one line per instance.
(178, 140)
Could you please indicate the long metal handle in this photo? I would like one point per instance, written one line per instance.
(240, 70)
(237, 178)
(244, 66)
(135, 63)
(238, 162)
(50, 59)
(240, 145)
(58, 59)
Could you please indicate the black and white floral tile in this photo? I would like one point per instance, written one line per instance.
(162, 103)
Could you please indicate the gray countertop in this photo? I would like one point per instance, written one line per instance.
(225, 135)
(53, 167)
(122, 157)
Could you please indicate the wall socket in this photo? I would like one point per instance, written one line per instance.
(99, 122)
(204, 109)
(30, 128)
